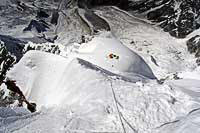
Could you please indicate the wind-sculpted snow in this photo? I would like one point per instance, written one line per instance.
(184, 125)
(78, 97)
(38, 67)
(190, 122)
(113, 56)
(78, 89)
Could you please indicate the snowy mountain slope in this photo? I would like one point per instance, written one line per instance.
(99, 50)
(35, 21)
(150, 42)
(41, 66)
(73, 92)
(177, 17)
(87, 93)
(84, 91)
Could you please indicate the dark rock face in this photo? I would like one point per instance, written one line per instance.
(93, 3)
(178, 17)
(198, 61)
(54, 19)
(193, 45)
(12, 45)
(42, 14)
(40, 26)
(6, 61)
(10, 53)
(43, 47)
(120, 3)
(98, 23)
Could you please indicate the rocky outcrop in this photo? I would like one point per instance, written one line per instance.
(42, 14)
(10, 53)
(193, 46)
(38, 25)
(13, 45)
(54, 18)
(178, 17)
(46, 47)
(93, 3)
(98, 23)
(7, 60)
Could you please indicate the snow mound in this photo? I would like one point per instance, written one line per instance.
(38, 73)
(112, 55)
(84, 89)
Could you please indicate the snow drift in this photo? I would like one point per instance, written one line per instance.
(109, 53)
(75, 91)
(46, 78)
(43, 72)
(78, 97)
(80, 83)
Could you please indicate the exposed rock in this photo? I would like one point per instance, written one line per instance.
(46, 47)
(42, 14)
(93, 3)
(20, 6)
(154, 60)
(39, 25)
(178, 17)
(10, 53)
(6, 61)
(12, 45)
(97, 22)
(193, 45)
(198, 61)
(54, 18)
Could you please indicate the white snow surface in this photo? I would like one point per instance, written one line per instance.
(77, 91)
(73, 91)
(98, 50)
(40, 69)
